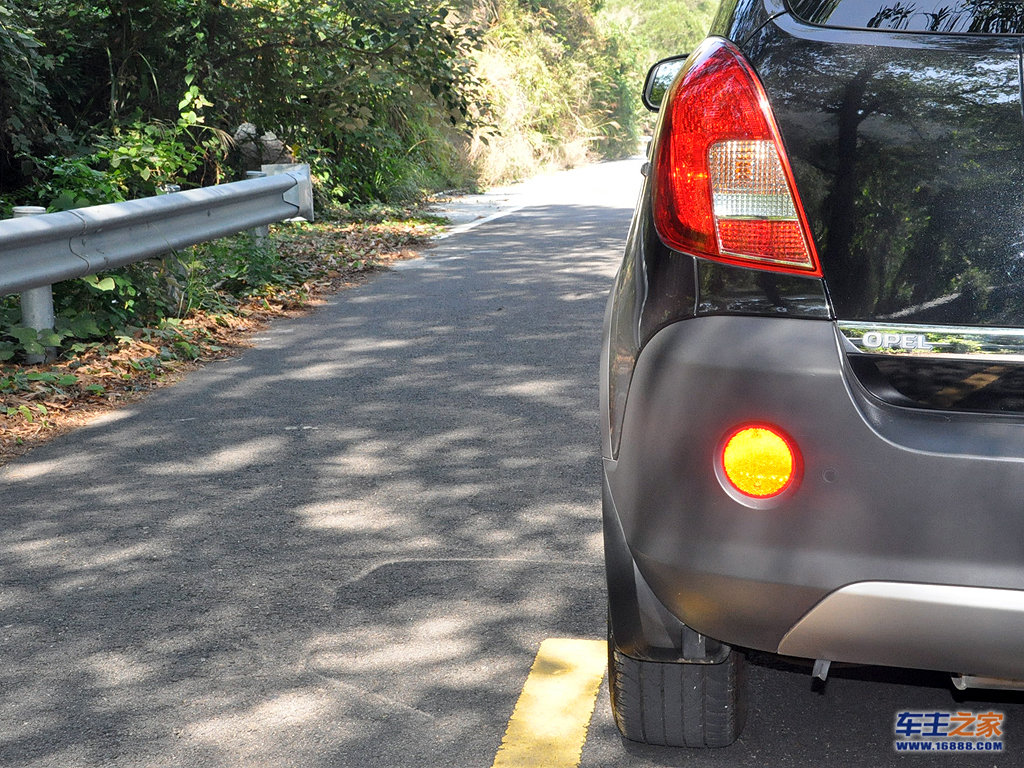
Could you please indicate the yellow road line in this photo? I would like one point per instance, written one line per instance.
(550, 721)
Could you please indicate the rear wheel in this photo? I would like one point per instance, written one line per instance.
(678, 704)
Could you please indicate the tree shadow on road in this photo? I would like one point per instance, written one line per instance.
(342, 548)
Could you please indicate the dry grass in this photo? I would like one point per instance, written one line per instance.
(523, 145)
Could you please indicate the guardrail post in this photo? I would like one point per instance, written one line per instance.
(259, 234)
(36, 303)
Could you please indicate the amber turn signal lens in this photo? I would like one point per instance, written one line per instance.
(759, 462)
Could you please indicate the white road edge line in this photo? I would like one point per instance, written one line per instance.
(458, 230)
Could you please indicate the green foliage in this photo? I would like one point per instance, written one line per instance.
(663, 28)
(237, 267)
(617, 68)
(144, 156)
(656, 29)
(377, 95)
(74, 182)
(107, 100)
(135, 160)
(25, 112)
(132, 295)
(150, 294)
(562, 80)
(350, 86)
(18, 340)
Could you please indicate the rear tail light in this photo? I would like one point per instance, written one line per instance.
(723, 188)
(759, 461)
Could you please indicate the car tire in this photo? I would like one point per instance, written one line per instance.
(678, 704)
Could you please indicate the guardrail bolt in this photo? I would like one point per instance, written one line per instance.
(259, 234)
(37, 303)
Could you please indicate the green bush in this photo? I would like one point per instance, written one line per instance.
(213, 276)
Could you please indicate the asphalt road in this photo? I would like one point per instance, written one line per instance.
(345, 547)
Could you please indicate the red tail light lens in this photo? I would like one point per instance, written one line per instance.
(723, 188)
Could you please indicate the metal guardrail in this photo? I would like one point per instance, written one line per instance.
(37, 251)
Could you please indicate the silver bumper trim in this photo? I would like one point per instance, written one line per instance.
(972, 630)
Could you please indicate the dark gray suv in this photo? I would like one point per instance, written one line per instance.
(813, 371)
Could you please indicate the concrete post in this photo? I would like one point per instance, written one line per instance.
(36, 303)
(259, 234)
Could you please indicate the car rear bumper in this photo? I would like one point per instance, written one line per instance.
(888, 494)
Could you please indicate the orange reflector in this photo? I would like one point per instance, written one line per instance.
(759, 462)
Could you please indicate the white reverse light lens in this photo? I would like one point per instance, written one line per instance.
(747, 181)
